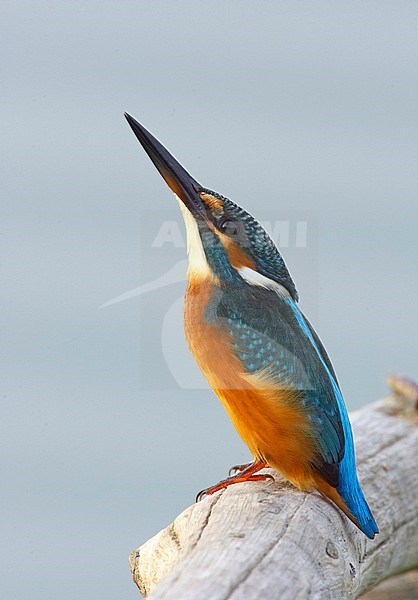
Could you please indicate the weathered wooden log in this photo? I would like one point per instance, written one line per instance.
(262, 541)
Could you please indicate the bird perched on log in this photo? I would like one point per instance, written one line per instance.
(258, 352)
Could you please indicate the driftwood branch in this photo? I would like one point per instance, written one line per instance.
(268, 540)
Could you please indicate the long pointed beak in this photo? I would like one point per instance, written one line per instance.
(175, 176)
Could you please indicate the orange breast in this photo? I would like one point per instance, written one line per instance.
(268, 419)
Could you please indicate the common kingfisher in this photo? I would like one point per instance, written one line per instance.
(258, 352)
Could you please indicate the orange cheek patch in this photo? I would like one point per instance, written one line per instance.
(237, 257)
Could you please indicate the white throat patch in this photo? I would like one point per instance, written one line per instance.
(198, 265)
(254, 278)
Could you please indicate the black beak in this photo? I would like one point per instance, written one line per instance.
(175, 176)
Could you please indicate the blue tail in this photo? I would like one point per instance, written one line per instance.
(349, 488)
(358, 507)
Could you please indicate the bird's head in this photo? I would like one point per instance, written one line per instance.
(224, 241)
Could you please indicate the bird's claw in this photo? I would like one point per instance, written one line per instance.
(200, 495)
(237, 469)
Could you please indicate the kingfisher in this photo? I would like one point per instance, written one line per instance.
(258, 352)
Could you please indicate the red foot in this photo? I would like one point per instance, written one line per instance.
(247, 473)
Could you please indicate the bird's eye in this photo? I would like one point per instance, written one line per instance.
(228, 226)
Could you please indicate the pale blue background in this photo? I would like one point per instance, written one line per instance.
(284, 106)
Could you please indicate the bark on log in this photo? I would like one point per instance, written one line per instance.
(262, 541)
